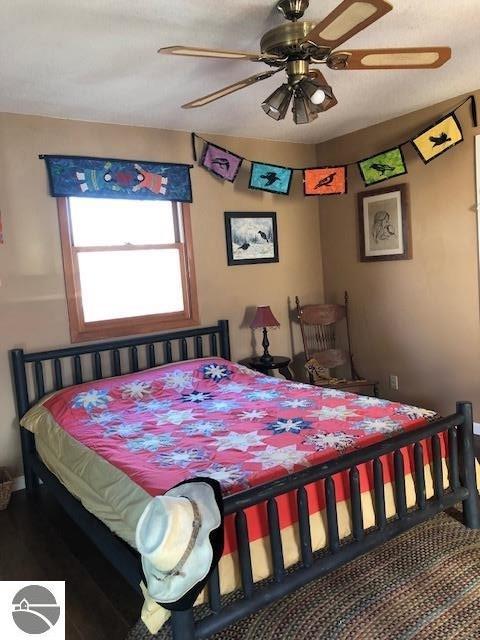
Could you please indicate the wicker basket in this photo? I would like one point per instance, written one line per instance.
(6, 485)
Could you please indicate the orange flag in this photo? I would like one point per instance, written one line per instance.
(324, 181)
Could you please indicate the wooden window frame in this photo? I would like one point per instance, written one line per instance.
(80, 330)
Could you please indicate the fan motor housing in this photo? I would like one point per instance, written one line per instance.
(286, 41)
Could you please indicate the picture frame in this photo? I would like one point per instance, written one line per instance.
(384, 224)
(251, 237)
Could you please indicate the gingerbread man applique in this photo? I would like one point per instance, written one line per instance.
(151, 181)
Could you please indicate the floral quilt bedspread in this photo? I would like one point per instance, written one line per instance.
(211, 417)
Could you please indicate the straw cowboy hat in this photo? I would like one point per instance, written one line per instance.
(180, 538)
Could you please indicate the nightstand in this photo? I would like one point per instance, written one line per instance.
(279, 363)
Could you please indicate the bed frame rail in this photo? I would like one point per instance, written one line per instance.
(462, 488)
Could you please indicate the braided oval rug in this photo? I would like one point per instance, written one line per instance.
(425, 585)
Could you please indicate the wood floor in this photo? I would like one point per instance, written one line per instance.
(39, 542)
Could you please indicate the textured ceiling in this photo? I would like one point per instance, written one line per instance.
(96, 60)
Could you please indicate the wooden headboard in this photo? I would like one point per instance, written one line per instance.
(38, 373)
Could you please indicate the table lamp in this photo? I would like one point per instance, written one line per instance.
(264, 318)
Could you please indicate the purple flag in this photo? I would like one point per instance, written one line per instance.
(221, 162)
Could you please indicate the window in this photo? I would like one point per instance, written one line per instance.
(128, 266)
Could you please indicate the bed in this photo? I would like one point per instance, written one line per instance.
(311, 477)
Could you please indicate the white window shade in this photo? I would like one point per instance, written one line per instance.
(99, 222)
(124, 284)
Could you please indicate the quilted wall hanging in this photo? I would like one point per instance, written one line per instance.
(127, 179)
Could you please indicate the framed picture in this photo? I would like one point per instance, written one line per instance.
(251, 237)
(384, 224)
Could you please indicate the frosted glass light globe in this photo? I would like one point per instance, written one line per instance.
(318, 97)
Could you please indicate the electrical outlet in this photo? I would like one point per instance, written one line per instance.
(393, 382)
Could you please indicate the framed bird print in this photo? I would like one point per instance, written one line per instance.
(251, 237)
(384, 224)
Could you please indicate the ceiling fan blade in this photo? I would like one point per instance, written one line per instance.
(197, 52)
(408, 58)
(221, 93)
(350, 17)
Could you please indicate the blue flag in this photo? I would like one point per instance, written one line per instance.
(270, 177)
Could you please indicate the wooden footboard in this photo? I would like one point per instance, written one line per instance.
(462, 488)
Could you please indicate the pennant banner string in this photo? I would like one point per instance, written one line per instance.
(473, 112)
(193, 148)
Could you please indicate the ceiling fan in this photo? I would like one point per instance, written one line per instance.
(297, 45)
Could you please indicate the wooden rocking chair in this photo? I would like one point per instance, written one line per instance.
(317, 324)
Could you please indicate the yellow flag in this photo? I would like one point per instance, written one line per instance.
(438, 138)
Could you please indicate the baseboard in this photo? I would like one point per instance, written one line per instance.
(476, 428)
(18, 483)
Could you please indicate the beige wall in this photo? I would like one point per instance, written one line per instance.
(33, 311)
(416, 318)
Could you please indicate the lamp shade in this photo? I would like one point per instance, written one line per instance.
(276, 104)
(313, 90)
(302, 108)
(264, 318)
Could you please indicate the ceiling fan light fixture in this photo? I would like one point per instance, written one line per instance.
(320, 95)
(276, 105)
(302, 108)
(329, 101)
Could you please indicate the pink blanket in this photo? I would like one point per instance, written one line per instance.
(211, 417)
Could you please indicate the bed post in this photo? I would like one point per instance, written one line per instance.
(183, 627)
(471, 507)
(224, 339)
(21, 395)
